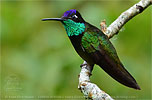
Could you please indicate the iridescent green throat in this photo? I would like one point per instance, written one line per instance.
(73, 28)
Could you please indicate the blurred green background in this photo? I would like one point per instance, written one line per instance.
(38, 60)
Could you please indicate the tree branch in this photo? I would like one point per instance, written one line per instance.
(91, 90)
(114, 28)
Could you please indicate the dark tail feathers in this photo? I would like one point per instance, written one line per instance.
(119, 73)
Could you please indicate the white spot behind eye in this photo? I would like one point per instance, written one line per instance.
(75, 16)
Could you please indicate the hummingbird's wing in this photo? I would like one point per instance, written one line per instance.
(102, 52)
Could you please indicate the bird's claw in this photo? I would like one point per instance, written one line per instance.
(83, 65)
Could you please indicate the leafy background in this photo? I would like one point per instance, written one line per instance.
(39, 62)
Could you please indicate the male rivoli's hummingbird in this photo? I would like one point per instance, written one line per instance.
(94, 47)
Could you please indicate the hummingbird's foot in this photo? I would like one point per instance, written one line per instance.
(83, 65)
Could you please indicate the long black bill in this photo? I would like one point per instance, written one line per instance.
(56, 19)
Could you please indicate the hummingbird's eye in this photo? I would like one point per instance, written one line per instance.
(74, 16)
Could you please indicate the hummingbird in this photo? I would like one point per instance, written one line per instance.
(94, 47)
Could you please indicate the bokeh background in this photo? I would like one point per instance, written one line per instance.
(39, 62)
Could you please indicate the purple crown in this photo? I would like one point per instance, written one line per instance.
(69, 12)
